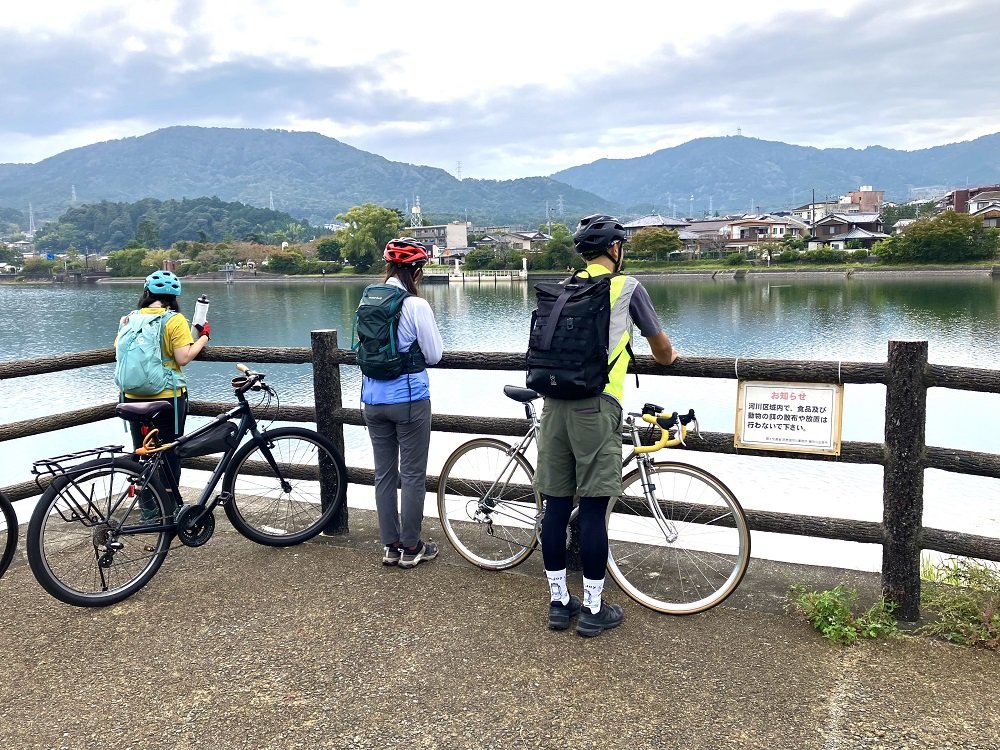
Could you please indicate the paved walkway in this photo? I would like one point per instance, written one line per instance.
(234, 645)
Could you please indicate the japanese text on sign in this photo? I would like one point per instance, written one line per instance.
(789, 416)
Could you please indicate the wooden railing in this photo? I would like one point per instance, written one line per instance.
(904, 455)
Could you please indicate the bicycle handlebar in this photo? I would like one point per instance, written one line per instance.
(654, 415)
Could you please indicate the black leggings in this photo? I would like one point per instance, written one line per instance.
(593, 534)
(164, 422)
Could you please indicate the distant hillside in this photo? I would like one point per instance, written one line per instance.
(313, 177)
(309, 175)
(736, 173)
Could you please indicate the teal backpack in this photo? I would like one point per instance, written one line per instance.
(140, 367)
(375, 326)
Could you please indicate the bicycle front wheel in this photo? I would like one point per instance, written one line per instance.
(689, 552)
(488, 508)
(8, 533)
(99, 534)
(286, 488)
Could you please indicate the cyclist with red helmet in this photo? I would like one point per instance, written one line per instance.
(397, 408)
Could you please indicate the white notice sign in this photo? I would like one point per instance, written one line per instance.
(803, 417)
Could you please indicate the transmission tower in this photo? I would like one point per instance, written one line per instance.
(72, 197)
(31, 221)
(458, 171)
(416, 220)
(270, 199)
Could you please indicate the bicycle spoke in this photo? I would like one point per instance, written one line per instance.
(487, 504)
(695, 566)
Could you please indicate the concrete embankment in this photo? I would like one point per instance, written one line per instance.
(234, 645)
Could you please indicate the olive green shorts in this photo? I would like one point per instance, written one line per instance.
(580, 448)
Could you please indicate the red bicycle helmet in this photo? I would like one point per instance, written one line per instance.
(405, 250)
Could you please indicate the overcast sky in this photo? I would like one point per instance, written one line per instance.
(506, 89)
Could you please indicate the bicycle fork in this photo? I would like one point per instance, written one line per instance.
(667, 527)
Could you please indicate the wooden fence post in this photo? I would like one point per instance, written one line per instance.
(327, 396)
(903, 478)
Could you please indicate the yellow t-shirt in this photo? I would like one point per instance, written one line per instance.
(176, 333)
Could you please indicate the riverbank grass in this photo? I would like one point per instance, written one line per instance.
(833, 613)
(961, 598)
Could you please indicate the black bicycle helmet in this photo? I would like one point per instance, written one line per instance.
(595, 234)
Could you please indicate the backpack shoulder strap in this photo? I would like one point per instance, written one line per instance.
(550, 325)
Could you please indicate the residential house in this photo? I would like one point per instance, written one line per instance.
(653, 221)
(960, 200)
(864, 200)
(527, 241)
(441, 237)
(900, 226)
(989, 213)
(839, 230)
(691, 241)
(748, 232)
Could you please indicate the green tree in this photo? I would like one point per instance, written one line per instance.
(950, 237)
(129, 263)
(147, 235)
(328, 248)
(655, 243)
(9, 255)
(369, 228)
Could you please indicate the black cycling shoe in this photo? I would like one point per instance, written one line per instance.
(560, 614)
(589, 624)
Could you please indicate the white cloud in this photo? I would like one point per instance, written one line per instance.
(517, 89)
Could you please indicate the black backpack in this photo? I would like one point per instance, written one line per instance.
(375, 325)
(568, 344)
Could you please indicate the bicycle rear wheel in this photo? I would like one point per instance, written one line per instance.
(290, 506)
(8, 533)
(100, 534)
(688, 555)
(488, 508)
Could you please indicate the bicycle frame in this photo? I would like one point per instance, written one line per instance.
(153, 460)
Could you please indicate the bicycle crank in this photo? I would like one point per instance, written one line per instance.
(195, 525)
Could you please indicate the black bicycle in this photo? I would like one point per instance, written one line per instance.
(105, 523)
(8, 533)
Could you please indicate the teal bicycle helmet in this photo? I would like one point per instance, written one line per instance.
(163, 282)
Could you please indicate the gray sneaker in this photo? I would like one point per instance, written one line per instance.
(392, 554)
(412, 557)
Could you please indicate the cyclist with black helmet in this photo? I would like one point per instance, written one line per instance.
(159, 297)
(397, 412)
(579, 441)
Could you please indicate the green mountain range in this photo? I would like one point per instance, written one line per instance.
(314, 177)
(306, 175)
(739, 174)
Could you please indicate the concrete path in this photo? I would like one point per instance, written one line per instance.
(234, 645)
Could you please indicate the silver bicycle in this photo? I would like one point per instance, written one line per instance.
(678, 537)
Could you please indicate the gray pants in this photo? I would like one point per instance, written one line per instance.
(401, 436)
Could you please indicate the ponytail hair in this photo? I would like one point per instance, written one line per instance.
(408, 274)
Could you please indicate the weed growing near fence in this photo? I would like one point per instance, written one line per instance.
(963, 598)
(832, 614)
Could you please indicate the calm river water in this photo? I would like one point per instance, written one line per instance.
(775, 317)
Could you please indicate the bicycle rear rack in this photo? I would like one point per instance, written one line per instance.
(77, 504)
(58, 466)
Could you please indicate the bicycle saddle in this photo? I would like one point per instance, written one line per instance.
(524, 395)
(143, 410)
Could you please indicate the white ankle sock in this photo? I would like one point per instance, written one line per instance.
(557, 586)
(593, 588)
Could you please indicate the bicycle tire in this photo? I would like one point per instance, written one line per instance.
(80, 545)
(266, 512)
(699, 568)
(468, 476)
(8, 533)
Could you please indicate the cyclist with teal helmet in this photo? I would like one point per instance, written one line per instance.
(159, 297)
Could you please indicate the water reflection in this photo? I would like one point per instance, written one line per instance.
(818, 318)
